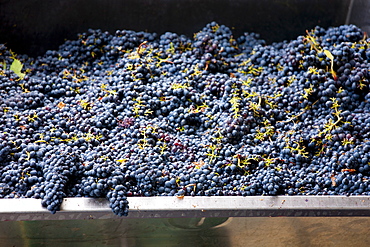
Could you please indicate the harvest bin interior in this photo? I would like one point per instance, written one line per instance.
(32, 27)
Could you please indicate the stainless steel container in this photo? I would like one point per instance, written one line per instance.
(32, 27)
(191, 221)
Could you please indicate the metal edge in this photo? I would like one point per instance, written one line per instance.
(168, 207)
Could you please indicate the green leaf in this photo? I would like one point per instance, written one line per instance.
(4, 65)
(16, 67)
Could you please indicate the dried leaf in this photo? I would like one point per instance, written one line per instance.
(61, 105)
(348, 170)
(333, 183)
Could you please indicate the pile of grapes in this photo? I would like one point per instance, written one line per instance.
(137, 114)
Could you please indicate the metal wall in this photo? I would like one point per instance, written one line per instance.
(32, 26)
(182, 232)
(192, 221)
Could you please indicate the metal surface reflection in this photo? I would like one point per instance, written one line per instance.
(239, 231)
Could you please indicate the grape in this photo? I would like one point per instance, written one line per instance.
(139, 114)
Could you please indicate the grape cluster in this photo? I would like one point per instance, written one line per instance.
(140, 114)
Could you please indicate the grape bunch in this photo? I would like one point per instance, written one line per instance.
(140, 114)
